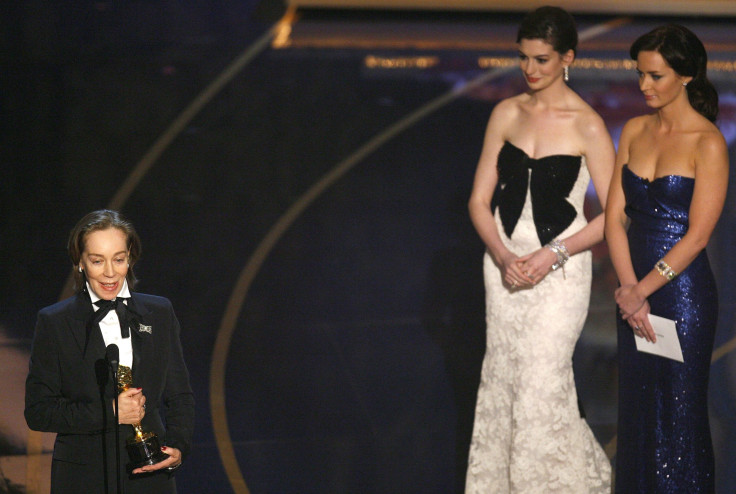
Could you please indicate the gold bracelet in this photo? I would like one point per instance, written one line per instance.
(665, 270)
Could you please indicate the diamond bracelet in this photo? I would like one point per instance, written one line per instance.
(562, 254)
(665, 270)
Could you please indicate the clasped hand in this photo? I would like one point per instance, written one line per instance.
(635, 310)
(131, 406)
(528, 270)
(173, 461)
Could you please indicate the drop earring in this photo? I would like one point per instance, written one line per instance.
(566, 73)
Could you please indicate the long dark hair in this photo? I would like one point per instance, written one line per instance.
(685, 53)
(102, 220)
(552, 25)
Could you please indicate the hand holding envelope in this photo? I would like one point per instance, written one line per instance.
(667, 344)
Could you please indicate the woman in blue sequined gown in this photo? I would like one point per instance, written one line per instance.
(665, 199)
(541, 150)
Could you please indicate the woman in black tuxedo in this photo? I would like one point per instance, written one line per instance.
(69, 389)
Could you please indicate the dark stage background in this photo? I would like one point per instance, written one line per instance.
(299, 179)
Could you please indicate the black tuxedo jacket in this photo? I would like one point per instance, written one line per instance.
(69, 390)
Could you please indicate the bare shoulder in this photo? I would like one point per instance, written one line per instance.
(636, 125)
(503, 115)
(587, 121)
(509, 107)
(590, 129)
(590, 124)
(711, 145)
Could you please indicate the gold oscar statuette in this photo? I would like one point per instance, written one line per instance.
(143, 447)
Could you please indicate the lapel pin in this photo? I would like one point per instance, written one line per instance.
(142, 328)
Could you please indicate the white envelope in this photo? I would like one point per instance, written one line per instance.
(667, 345)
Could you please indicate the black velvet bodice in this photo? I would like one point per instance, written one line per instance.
(549, 180)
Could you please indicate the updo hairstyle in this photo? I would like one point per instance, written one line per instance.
(685, 53)
(552, 25)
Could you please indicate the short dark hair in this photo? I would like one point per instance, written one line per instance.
(685, 53)
(552, 25)
(102, 220)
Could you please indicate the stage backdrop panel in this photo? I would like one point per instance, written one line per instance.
(660, 7)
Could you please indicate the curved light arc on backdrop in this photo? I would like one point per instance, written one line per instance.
(249, 272)
(254, 263)
(34, 441)
(224, 336)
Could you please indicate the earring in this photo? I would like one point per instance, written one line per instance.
(567, 73)
(684, 84)
(80, 269)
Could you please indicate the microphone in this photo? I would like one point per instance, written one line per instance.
(112, 355)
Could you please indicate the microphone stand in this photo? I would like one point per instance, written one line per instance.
(112, 355)
(117, 430)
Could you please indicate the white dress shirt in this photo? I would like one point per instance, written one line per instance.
(110, 327)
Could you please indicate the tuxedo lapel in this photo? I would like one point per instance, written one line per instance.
(88, 339)
(144, 349)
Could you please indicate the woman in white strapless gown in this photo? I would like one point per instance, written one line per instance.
(540, 151)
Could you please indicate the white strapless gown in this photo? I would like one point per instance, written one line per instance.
(528, 435)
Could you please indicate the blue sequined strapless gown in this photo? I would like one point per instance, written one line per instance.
(664, 442)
